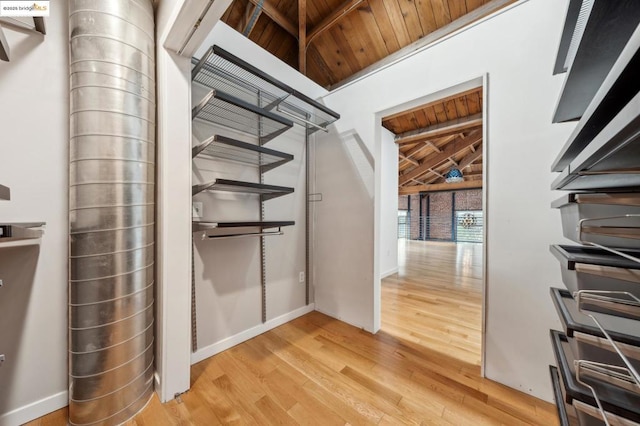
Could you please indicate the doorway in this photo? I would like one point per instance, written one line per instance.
(436, 297)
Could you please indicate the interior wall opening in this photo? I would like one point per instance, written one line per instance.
(435, 298)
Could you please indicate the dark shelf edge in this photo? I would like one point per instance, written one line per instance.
(571, 325)
(564, 253)
(557, 394)
(609, 27)
(578, 392)
(261, 74)
(249, 224)
(196, 150)
(610, 98)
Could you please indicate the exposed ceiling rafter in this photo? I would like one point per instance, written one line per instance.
(433, 103)
(437, 130)
(406, 158)
(451, 149)
(444, 31)
(467, 161)
(302, 36)
(343, 10)
(416, 189)
(277, 17)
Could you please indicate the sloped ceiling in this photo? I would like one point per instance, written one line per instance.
(342, 38)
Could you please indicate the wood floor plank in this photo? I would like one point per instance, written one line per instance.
(422, 367)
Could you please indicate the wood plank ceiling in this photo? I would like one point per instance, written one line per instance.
(331, 40)
(435, 137)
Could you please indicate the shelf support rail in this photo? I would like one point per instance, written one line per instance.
(304, 121)
(263, 247)
(5, 50)
(206, 236)
(38, 27)
(277, 102)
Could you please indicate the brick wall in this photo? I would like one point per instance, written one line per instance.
(403, 202)
(438, 226)
(440, 207)
(469, 200)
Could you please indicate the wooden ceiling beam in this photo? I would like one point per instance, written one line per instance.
(343, 10)
(467, 161)
(474, 168)
(433, 147)
(431, 104)
(406, 158)
(419, 148)
(436, 173)
(302, 36)
(431, 38)
(452, 148)
(417, 189)
(277, 17)
(437, 130)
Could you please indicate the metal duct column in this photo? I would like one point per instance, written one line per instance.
(111, 209)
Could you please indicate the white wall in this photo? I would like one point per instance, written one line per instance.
(344, 228)
(388, 209)
(34, 122)
(516, 48)
(173, 165)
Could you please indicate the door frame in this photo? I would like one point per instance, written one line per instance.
(480, 81)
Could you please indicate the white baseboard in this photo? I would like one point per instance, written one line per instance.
(35, 409)
(209, 351)
(344, 320)
(389, 272)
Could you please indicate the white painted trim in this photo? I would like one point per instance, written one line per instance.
(485, 215)
(35, 409)
(229, 342)
(410, 104)
(339, 318)
(389, 272)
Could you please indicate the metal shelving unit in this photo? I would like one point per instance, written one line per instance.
(617, 90)
(22, 233)
(38, 27)
(601, 30)
(224, 148)
(246, 99)
(266, 192)
(598, 354)
(613, 399)
(219, 69)
(611, 159)
(210, 229)
(220, 108)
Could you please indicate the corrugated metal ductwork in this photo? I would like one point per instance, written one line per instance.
(111, 209)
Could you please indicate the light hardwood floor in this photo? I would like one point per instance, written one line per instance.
(421, 368)
(435, 299)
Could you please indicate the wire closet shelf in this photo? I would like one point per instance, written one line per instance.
(222, 71)
(224, 148)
